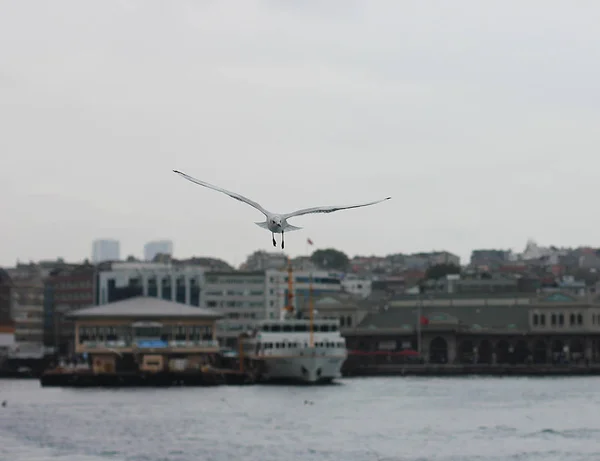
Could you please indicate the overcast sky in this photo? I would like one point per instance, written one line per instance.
(480, 119)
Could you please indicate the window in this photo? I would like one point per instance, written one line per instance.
(543, 319)
(180, 334)
(536, 319)
(349, 321)
(561, 319)
(553, 319)
(579, 319)
(572, 319)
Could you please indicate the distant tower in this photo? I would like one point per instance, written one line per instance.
(151, 249)
(105, 250)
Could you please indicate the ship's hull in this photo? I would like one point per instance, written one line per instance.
(308, 369)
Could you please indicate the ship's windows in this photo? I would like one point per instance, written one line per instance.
(300, 328)
(287, 328)
(342, 321)
(275, 327)
(266, 328)
(334, 328)
(349, 321)
(305, 345)
(324, 328)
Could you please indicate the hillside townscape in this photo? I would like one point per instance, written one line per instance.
(36, 296)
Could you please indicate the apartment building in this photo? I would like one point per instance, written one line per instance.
(124, 280)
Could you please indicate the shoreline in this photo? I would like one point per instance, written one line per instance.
(229, 377)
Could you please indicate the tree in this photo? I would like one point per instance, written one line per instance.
(441, 270)
(330, 259)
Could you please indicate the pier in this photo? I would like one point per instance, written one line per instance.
(86, 378)
(433, 370)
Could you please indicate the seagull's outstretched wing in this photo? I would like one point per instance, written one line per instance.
(239, 197)
(329, 209)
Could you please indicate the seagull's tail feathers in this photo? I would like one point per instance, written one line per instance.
(290, 228)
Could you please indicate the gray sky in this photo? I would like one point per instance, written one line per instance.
(480, 119)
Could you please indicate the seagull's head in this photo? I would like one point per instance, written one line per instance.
(276, 221)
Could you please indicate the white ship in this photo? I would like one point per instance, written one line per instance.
(282, 350)
(291, 349)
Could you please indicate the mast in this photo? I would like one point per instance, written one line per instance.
(419, 314)
(311, 307)
(290, 296)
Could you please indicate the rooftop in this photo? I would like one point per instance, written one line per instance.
(145, 307)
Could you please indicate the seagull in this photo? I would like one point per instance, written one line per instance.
(276, 222)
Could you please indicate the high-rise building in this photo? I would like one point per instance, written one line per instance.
(151, 249)
(105, 250)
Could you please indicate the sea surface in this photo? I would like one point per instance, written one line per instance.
(409, 419)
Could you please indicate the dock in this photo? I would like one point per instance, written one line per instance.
(472, 370)
(208, 376)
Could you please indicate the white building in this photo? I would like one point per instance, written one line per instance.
(323, 282)
(105, 250)
(151, 249)
(245, 297)
(241, 297)
(356, 285)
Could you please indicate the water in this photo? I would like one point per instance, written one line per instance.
(408, 419)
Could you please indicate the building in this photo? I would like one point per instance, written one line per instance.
(318, 283)
(490, 257)
(162, 247)
(147, 334)
(348, 309)
(7, 326)
(6, 290)
(105, 250)
(241, 298)
(28, 306)
(124, 280)
(66, 289)
(356, 285)
(535, 329)
(496, 284)
(245, 297)
(262, 261)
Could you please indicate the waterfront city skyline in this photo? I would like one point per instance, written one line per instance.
(481, 127)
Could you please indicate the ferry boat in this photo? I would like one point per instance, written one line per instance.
(294, 349)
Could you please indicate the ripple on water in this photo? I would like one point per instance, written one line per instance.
(406, 419)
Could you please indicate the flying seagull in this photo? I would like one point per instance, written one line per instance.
(277, 222)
